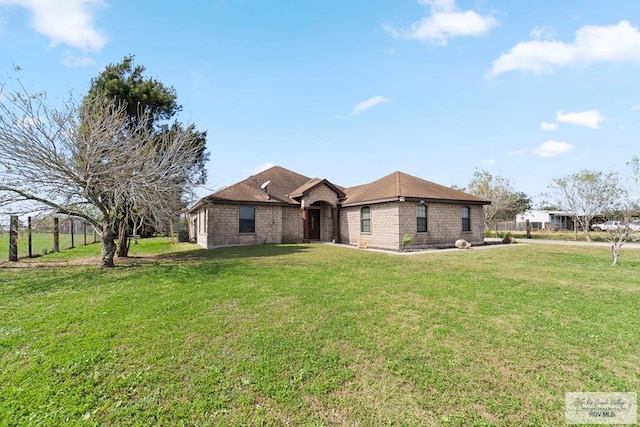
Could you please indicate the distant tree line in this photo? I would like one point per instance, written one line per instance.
(583, 195)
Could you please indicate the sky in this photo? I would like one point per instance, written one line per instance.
(354, 90)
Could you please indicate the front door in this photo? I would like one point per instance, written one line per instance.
(314, 224)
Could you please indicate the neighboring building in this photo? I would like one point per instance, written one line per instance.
(546, 220)
(281, 206)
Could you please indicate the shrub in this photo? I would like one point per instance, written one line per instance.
(406, 240)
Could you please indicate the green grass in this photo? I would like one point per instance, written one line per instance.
(316, 335)
(41, 243)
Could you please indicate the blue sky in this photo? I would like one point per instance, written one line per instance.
(354, 90)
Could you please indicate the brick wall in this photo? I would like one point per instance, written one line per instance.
(385, 224)
(444, 224)
(217, 225)
(321, 193)
(292, 226)
(326, 223)
(391, 221)
(274, 224)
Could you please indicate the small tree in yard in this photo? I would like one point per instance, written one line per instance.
(584, 195)
(624, 210)
(618, 236)
(90, 160)
(587, 193)
(505, 202)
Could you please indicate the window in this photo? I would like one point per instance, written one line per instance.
(247, 219)
(466, 219)
(421, 218)
(365, 220)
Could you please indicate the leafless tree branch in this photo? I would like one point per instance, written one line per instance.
(89, 161)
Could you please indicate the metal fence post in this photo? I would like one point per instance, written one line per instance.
(30, 238)
(72, 226)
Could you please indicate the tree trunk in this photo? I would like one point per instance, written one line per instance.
(123, 242)
(108, 246)
(615, 250)
(136, 228)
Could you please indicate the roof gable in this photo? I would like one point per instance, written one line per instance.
(273, 185)
(312, 183)
(399, 184)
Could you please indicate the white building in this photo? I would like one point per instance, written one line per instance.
(546, 220)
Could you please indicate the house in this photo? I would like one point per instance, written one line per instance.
(282, 206)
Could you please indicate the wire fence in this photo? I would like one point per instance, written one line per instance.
(517, 226)
(40, 236)
(558, 224)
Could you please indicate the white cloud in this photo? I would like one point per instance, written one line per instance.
(552, 148)
(635, 107)
(369, 103)
(590, 119)
(592, 45)
(488, 162)
(67, 22)
(548, 126)
(445, 22)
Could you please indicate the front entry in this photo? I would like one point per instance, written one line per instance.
(314, 224)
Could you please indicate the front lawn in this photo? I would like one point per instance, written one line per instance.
(316, 335)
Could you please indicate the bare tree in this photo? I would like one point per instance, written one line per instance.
(585, 195)
(624, 210)
(620, 235)
(505, 202)
(88, 160)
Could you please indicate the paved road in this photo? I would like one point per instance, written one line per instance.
(628, 245)
(497, 240)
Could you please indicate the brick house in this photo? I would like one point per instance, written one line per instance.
(282, 206)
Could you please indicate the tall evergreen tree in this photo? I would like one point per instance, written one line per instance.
(142, 96)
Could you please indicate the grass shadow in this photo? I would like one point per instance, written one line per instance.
(235, 252)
